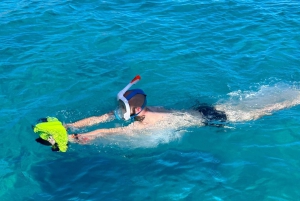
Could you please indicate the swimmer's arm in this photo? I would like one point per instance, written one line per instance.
(119, 130)
(103, 132)
(91, 121)
(86, 137)
(108, 131)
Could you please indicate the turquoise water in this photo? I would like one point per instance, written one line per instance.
(70, 58)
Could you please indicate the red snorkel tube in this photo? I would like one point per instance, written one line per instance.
(132, 82)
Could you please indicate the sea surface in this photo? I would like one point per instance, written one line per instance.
(69, 59)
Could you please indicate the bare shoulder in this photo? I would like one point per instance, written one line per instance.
(158, 109)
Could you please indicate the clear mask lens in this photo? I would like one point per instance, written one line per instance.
(120, 110)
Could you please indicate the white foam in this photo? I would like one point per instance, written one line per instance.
(144, 139)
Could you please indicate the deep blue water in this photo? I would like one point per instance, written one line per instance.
(70, 58)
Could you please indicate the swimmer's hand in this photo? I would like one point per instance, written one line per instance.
(51, 140)
(67, 126)
(78, 138)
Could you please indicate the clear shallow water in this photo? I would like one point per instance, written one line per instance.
(69, 59)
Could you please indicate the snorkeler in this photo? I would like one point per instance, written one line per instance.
(132, 107)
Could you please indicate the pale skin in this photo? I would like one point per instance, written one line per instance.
(155, 115)
(152, 116)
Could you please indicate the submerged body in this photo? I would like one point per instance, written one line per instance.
(132, 106)
(158, 118)
(155, 118)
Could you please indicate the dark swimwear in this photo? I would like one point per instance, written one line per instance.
(212, 116)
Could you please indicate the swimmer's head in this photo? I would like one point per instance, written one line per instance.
(131, 105)
(131, 102)
(137, 103)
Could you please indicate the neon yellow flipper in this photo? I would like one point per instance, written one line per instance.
(53, 127)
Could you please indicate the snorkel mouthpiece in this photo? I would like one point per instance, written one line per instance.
(120, 97)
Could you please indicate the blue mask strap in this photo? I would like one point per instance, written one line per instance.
(134, 92)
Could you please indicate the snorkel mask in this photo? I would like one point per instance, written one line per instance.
(123, 111)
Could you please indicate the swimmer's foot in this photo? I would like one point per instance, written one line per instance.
(80, 139)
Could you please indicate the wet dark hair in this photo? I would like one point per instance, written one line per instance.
(136, 101)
